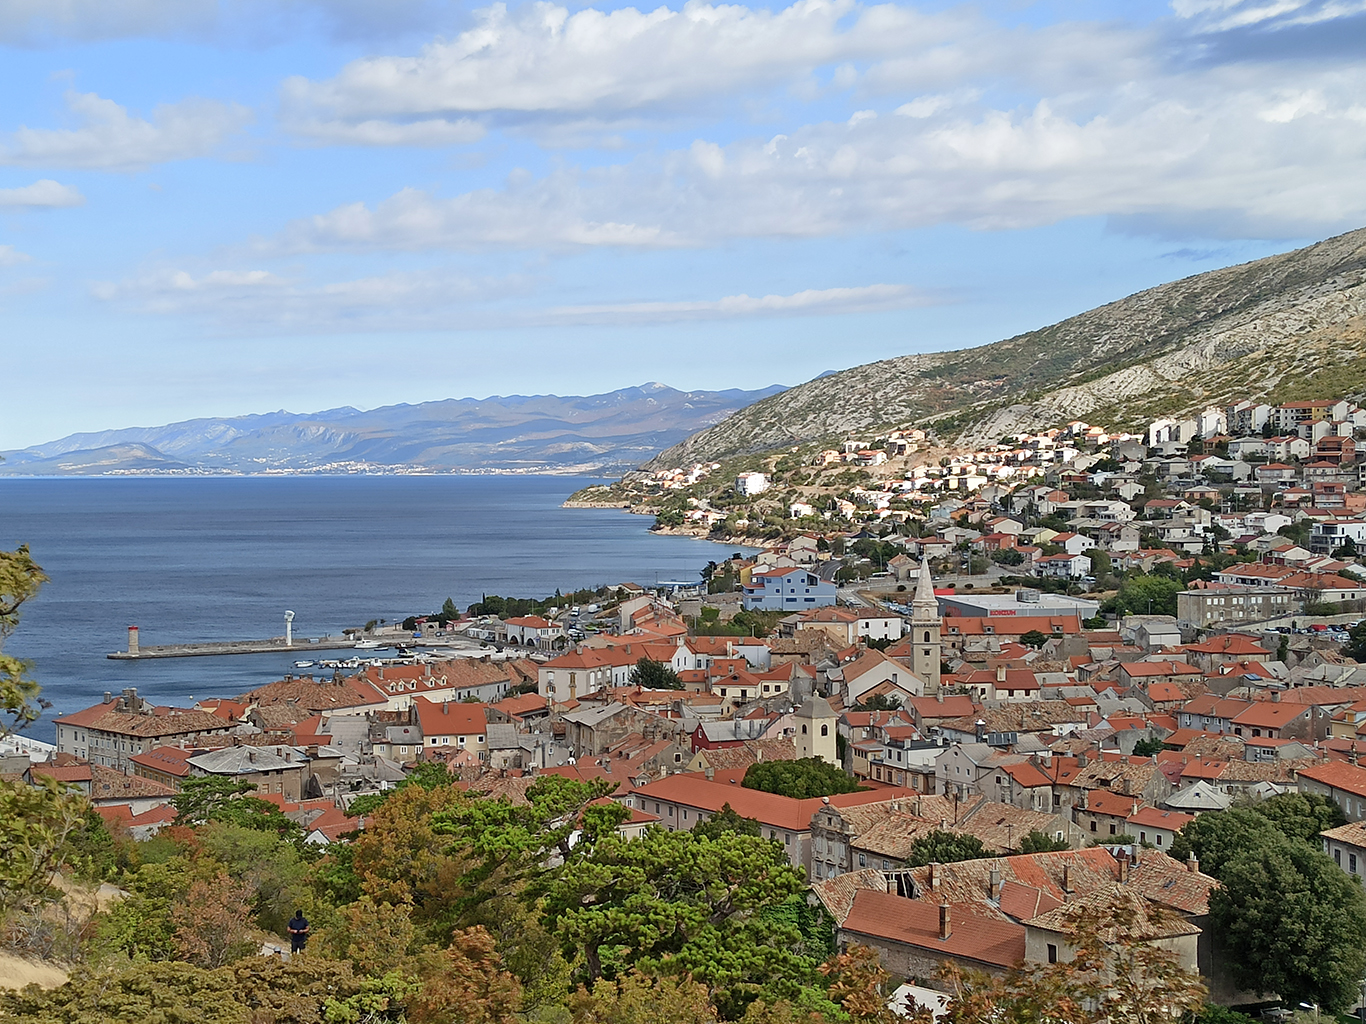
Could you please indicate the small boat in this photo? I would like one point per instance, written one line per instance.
(368, 645)
(304, 664)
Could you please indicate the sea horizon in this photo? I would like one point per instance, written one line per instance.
(190, 559)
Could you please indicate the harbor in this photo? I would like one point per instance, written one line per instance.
(273, 645)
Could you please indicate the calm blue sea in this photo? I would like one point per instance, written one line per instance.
(222, 558)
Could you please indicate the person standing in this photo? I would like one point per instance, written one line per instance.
(298, 932)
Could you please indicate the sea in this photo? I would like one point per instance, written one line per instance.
(222, 558)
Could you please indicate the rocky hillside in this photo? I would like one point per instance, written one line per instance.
(1284, 327)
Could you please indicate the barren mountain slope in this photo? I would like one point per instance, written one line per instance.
(1275, 327)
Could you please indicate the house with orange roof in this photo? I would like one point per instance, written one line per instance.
(530, 631)
(681, 801)
(111, 732)
(1103, 813)
(871, 669)
(914, 938)
(452, 725)
(1141, 674)
(1281, 720)
(1156, 827)
(169, 766)
(1340, 781)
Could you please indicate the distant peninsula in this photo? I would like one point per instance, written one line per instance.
(605, 434)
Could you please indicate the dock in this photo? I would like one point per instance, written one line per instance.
(274, 645)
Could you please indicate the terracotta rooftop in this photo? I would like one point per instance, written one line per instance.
(972, 936)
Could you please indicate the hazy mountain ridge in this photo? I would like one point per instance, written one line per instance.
(1292, 321)
(567, 434)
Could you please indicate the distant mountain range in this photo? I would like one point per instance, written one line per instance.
(605, 434)
(1286, 327)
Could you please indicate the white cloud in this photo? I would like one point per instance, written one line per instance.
(11, 257)
(1232, 147)
(1228, 15)
(428, 132)
(258, 300)
(812, 301)
(109, 138)
(554, 211)
(540, 60)
(44, 192)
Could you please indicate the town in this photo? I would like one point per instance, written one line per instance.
(1018, 678)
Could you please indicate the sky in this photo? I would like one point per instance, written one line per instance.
(217, 208)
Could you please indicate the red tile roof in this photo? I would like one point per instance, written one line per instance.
(1339, 775)
(916, 923)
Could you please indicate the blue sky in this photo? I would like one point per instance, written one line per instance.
(211, 208)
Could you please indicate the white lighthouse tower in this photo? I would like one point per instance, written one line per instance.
(289, 629)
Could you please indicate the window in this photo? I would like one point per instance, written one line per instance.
(1352, 863)
(1093, 825)
(825, 730)
(803, 727)
(1052, 953)
(1112, 828)
(1337, 856)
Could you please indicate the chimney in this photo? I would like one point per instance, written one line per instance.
(1192, 863)
(381, 671)
(933, 877)
(1123, 866)
(711, 774)
(445, 707)
(1275, 696)
(1000, 673)
(891, 885)
(1066, 881)
(945, 923)
(1081, 760)
(994, 884)
(108, 697)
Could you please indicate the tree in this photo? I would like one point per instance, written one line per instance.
(465, 984)
(800, 779)
(1297, 920)
(1301, 815)
(726, 820)
(226, 799)
(637, 998)
(1355, 648)
(1033, 638)
(211, 924)
(1145, 594)
(36, 821)
(1218, 836)
(1040, 842)
(696, 901)
(655, 675)
(1101, 565)
(1148, 748)
(20, 579)
(945, 848)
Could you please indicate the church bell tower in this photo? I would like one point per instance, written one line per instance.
(925, 640)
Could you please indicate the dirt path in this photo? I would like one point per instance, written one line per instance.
(16, 973)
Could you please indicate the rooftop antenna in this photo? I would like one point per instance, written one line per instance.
(289, 629)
